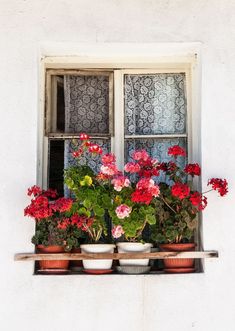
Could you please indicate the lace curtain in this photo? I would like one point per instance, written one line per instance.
(154, 104)
(86, 110)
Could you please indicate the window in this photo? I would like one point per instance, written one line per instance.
(121, 109)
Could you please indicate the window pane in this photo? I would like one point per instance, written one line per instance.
(56, 166)
(93, 161)
(86, 104)
(155, 104)
(157, 148)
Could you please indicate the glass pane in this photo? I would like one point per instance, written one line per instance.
(92, 161)
(86, 104)
(157, 148)
(155, 104)
(56, 166)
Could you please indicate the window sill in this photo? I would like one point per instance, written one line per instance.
(155, 270)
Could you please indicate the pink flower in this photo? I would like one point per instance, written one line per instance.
(132, 167)
(117, 231)
(145, 183)
(154, 190)
(120, 182)
(109, 169)
(123, 211)
(140, 155)
(108, 158)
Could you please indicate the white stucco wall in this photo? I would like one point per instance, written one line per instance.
(202, 302)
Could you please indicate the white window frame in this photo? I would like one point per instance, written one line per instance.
(123, 65)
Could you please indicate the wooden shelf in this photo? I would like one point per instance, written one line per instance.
(116, 256)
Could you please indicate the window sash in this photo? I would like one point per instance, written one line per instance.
(117, 124)
(50, 114)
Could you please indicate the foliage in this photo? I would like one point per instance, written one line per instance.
(53, 224)
(178, 204)
(91, 199)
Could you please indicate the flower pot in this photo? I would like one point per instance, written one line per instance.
(52, 264)
(127, 247)
(178, 263)
(97, 248)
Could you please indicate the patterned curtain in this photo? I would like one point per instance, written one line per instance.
(86, 110)
(155, 104)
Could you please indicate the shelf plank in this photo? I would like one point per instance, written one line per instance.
(116, 256)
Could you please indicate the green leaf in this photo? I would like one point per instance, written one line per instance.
(98, 211)
(87, 203)
(151, 219)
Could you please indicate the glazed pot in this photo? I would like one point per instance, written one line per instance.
(127, 247)
(178, 263)
(97, 248)
(50, 264)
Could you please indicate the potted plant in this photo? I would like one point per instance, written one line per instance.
(178, 206)
(54, 231)
(91, 200)
(131, 209)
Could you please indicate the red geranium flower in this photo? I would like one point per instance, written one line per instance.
(198, 200)
(176, 151)
(78, 152)
(84, 136)
(96, 149)
(34, 190)
(220, 185)
(180, 190)
(141, 196)
(193, 169)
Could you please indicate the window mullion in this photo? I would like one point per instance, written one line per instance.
(118, 145)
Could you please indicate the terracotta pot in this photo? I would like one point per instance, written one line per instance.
(178, 263)
(128, 247)
(50, 264)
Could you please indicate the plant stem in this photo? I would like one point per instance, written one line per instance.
(207, 191)
(167, 204)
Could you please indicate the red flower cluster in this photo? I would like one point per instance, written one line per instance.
(220, 185)
(193, 169)
(145, 191)
(95, 149)
(198, 200)
(176, 151)
(41, 207)
(145, 166)
(87, 144)
(82, 222)
(180, 190)
(64, 223)
(167, 166)
(78, 153)
(62, 204)
(84, 136)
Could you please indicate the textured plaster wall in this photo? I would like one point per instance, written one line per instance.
(169, 302)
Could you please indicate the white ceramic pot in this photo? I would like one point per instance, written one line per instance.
(126, 247)
(97, 248)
